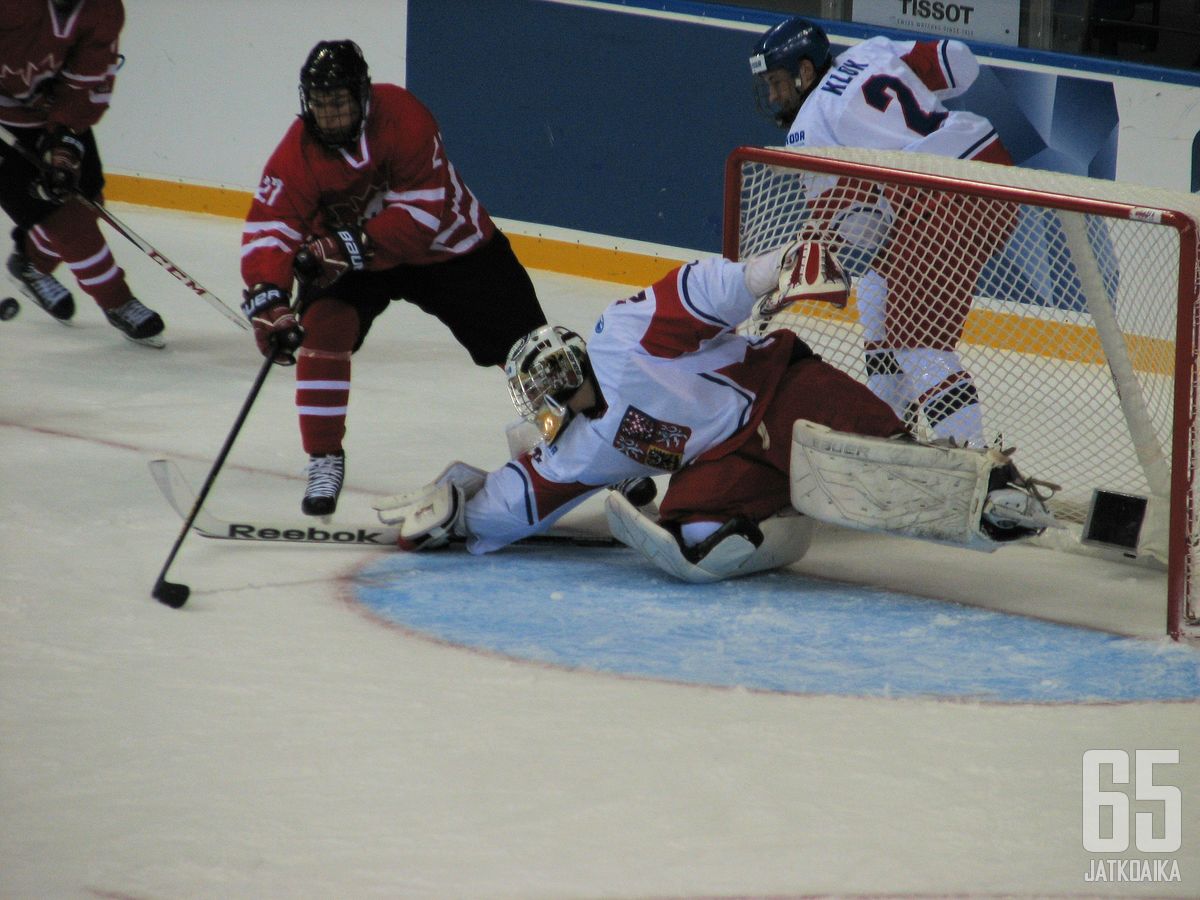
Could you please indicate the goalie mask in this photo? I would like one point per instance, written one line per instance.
(544, 369)
(335, 93)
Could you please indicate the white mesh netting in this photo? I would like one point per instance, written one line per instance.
(1024, 301)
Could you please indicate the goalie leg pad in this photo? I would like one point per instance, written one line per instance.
(921, 491)
(775, 542)
(786, 538)
(657, 544)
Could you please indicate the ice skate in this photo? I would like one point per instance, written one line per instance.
(1015, 506)
(42, 289)
(325, 475)
(137, 322)
(1016, 512)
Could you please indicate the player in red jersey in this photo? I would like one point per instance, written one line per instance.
(361, 201)
(58, 60)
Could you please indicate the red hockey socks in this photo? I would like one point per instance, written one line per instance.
(323, 375)
(70, 234)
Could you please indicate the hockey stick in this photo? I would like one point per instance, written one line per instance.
(179, 494)
(125, 231)
(174, 594)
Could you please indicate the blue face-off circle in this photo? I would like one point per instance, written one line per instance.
(607, 610)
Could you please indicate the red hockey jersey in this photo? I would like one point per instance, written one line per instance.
(395, 182)
(58, 67)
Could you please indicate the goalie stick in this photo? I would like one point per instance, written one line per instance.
(179, 494)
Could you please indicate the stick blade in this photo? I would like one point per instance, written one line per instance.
(171, 594)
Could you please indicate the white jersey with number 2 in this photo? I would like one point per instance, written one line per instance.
(887, 95)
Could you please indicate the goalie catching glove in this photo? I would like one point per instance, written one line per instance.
(434, 515)
(808, 270)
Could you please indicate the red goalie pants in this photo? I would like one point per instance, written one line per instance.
(753, 480)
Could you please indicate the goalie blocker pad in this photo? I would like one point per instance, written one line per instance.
(432, 516)
(920, 491)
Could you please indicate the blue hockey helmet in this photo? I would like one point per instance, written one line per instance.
(788, 42)
(784, 46)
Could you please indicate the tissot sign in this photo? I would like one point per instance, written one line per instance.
(981, 20)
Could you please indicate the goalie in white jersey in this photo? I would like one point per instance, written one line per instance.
(666, 386)
(888, 95)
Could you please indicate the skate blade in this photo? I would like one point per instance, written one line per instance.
(32, 298)
(155, 342)
(68, 321)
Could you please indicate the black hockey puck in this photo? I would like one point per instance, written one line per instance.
(9, 308)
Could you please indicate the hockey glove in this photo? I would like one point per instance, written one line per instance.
(429, 517)
(434, 515)
(807, 271)
(324, 260)
(62, 152)
(276, 330)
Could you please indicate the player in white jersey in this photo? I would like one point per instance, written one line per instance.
(664, 385)
(887, 95)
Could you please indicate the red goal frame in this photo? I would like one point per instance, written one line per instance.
(1183, 616)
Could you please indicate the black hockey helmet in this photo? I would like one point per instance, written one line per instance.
(331, 65)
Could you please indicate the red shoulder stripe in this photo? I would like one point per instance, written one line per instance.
(674, 330)
(925, 61)
(548, 495)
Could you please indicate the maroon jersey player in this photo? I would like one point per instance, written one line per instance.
(361, 201)
(58, 61)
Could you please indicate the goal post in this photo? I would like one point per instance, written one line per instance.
(1054, 313)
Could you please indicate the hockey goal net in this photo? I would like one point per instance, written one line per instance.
(1052, 313)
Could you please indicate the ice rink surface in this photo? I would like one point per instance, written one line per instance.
(283, 736)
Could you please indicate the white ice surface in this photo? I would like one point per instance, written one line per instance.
(271, 740)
